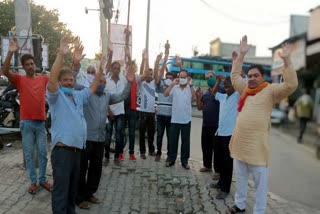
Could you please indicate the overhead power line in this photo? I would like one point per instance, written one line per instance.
(237, 19)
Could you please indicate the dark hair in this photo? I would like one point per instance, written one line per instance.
(183, 70)
(64, 71)
(170, 73)
(115, 62)
(227, 79)
(26, 57)
(258, 67)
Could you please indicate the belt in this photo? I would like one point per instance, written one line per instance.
(68, 148)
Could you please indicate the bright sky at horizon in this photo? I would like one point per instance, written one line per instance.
(186, 23)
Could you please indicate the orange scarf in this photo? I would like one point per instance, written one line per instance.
(250, 92)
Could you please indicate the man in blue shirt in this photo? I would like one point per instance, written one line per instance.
(227, 121)
(210, 113)
(68, 131)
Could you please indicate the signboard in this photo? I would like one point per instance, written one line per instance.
(45, 56)
(118, 40)
(5, 49)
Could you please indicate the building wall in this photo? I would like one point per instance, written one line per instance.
(314, 26)
(218, 48)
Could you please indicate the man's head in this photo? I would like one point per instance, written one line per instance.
(66, 78)
(27, 62)
(228, 86)
(183, 77)
(91, 70)
(255, 76)
(169, 75)
(209, 74)
(115, 69)
(150, 75)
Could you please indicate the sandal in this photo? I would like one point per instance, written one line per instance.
(234, 210)
(32, 189)
(216, 176)
(84, 205)
(94, 200)
(47, 186)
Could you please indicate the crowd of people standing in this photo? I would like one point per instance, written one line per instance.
(87, 106)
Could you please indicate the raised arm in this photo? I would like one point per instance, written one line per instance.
(53, 83)
(167, 91)
(13, 47)
(115, 98)
(156, 69)
(290, 84)
(193, 92)
(77, 57)
(142, 65)
(198, 96)
(109, 62)
(146, 73)
(178, 62)
(236, 78)
(93, 86)
(215, 88)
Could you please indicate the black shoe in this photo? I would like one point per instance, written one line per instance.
(234, 210)
(186, 166)
(170, 163)
(143, 156)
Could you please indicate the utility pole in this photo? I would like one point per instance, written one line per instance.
(23, 26)
(103, 30)
(148, 22)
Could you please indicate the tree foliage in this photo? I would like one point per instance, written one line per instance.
(44, 22)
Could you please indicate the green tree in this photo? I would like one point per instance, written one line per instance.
(44, 22)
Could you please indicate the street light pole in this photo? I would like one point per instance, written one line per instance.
(148, 22)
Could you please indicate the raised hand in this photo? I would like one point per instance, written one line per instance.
(286, 51)
(178, 60)
(78, 51)
(234, 56)
(102, 62)
(13, 45)
(131, 70)
(244, 47)
(145, 54)
(159, 57)
(64, 45)
(127, 51)
(189, 81)
(175, 81)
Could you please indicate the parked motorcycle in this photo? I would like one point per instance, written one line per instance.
(9, 108)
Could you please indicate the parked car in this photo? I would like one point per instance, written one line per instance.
(278, 117)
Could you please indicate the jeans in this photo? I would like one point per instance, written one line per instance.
(90, 170)
(208, 145)
(163, 123)
(260, 177)
(118, 123)
(226, 162)
(131, 119)
(34, 134)
(147, 122)
(175, 130)
(65, 171)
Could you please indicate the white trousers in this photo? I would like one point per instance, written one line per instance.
(260, 176)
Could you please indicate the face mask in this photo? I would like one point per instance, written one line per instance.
(90, 78)
(167, 82)
(211, 82)
(183, 81)
(100, 90)
(67, 91)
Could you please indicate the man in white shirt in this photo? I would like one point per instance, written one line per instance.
(116, 84)
(147, 113)
(182, 93)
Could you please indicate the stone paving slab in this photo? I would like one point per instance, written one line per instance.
(144, 187)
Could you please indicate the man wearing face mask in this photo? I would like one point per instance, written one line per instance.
(95, 113)
(210, 119)
(182, 93)
(164, 103)
(32, 90)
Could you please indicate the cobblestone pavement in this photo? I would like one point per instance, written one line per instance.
(144, 186)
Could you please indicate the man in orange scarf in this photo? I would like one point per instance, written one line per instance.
(249, 145)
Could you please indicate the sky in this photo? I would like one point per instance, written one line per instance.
(186, 23)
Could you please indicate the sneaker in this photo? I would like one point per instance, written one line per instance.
(121, 157)
(157, 159)
(117, 162)
(132, 157)
(143, 156)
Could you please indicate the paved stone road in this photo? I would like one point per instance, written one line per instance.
(144, 186)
